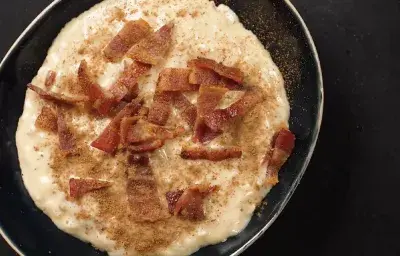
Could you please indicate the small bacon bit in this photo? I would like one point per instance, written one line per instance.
(144, 131)
(47, 120)
(204, 76)
(104, 105)
(172, 198)
(219, 118)
(50, 79)
(56, 97)
(161, 108)
(126, 124)
(109, 139)
(80, 187)
(229, 72)
(282, 148)
(175, 79)
(147, 147)
(204, 134)
(190, 203)
(153, 48)
(89, 87)
(130, 34)
(65, 136)
(143, 200)
(139, 160)
(127, 83)
(188, 110)
(215, 155)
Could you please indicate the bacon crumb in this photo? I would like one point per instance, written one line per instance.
(50, 78)
(215, 155)
(80, 187)
(130, 34)
(47, 120)
(153, 48)
(56, 97)
(229, 72)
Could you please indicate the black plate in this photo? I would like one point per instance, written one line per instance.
(278, 26)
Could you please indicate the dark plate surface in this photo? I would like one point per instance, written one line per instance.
(273, 22)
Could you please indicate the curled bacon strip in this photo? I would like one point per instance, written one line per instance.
(50, 79)
(283, 145)
(47, 120)
(175, 79)
(229, 72)
(65, 136)
(109, 139)
(153, 48)
(218, 119)
(187, 110)
(56, 97)
(80, 187)
(204, 76)
(215, 155)
(130, 34)
(161, 109)
(127, 83)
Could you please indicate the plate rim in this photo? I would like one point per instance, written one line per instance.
(315, 135)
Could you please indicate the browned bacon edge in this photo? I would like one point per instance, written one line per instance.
(200, 153)
(80, 187)
(57, 97)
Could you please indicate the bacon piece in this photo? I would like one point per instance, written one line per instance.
(147, 147)
(47, 120)
(172, 198)
(187, 110)
(144, 131)
(211, 154)
(65, 136)
(126, 124)
(204, 76)
(110, 138)
(139, 160)
(57, 97)
(209, 98)
(190, 203)
(153, 48)
(130, 34)
(127, 85)
(218, 119)
(161, 108)
(283, 145)
(80, 187)
(175, 79)
(50, 79)
(143, 200)
(229, 72)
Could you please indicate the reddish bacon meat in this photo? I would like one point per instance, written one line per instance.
(56, 97)
(50, 79)
(126, 125)
(283, 145)
(130, 34)
(215, 155)
(172, 198)
(109, 139)
(80, 187)
(65, 136)
(153, 48)
(144, 131)
(219, 118)
(139, 160)
(187, 110)
(161, 108)
(127, 85)
(229, 72)
(175, 79)
(47, 120)
(204, 76)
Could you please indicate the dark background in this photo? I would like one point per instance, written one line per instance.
(347, 203)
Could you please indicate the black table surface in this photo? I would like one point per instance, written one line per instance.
(347, 202)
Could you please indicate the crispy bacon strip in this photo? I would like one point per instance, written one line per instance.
(110, 138)
(147, 147)
(218, 119)
(283, 145)
(229, 72)
(200, 153)
(153, 48)
(56, 97)
(127, 85)
(187, 110)
(190, 203)
(175, 79)
(47, 120)
(80, 187)
(126, 125)
(143, 200)
(130, 34)
(161, 109)
(65, 136)
(209, 98)
(50, 79)
(204, 76)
